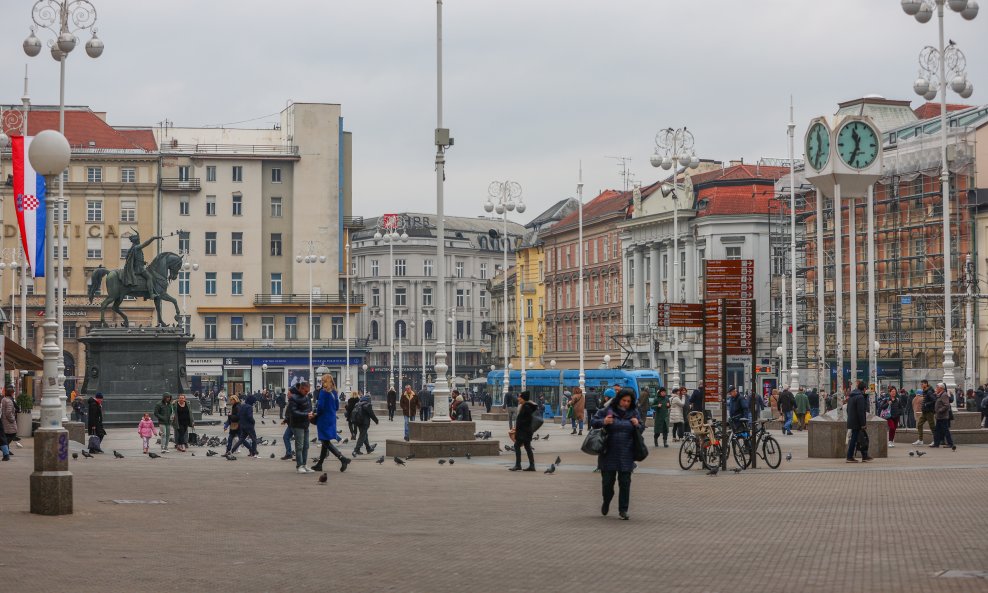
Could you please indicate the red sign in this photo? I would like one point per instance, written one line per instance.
(389, 221)
(713, 352)
(680, 315)
(729, 279)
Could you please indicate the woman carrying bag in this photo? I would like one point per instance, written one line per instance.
(622, 425)
(327, 403)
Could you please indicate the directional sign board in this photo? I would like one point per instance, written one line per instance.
(729, 279)
(680, 315)
(713, 354)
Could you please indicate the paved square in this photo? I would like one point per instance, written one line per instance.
(904, 524)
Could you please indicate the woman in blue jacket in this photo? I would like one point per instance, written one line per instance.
(620, 419)
(327, 404)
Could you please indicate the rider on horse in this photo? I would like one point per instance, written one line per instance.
(135, 266)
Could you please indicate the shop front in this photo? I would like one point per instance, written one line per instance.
(205, 374)
(237, 376)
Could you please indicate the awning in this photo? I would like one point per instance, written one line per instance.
(16, 357)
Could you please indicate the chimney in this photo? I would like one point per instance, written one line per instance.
(101, 115)
(735, 163)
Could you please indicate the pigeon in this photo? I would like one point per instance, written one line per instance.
(953, 447)
(920, 453)
(153, 455)
(737, 470)
(713, 471)
(536, 437)
(314, 440)
(210, 453)
(353, 453)
(346, 440)
(912, 453)
(559, 461)
(323, 478)
(117, 455)
(193, 454)
(546, 437)
(230, 458)
(223, 442)
(442, 461)
(380, 460)
(551, 470)
(157, 442)
(272, 456)
(262, 422)
(452, 461)
(399, 460)
(507, 448)
(789, 456)
(469, 456)
(75, 456)
(86, 454)
(411, 456)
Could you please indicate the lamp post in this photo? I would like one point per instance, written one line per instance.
(63, 18)
(520, 282)
(674, 148)
(187, 268)
(346, 326)
(391, 235)
(264, 374)
(423, 356)
(51, 482)
(583, 375)
(452, 344)
(936, 64)
(503, 197)
(310, 258)
(364, 366)
(794, 365)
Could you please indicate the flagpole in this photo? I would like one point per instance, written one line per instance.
(26, 108)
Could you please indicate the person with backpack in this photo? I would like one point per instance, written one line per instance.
(393, 403)
(857, 422)
(363, 413)
(802, 408)
(351, 403)
(528, 423)
(511, 406)
(926, 410)
(592, 404)
(247, 432)
(94, 425)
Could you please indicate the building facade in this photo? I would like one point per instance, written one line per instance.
(399, 321)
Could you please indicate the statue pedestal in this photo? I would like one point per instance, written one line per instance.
(132, 367)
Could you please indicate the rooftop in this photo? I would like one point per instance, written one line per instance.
(87, 130)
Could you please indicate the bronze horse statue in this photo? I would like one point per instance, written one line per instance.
(164, 268)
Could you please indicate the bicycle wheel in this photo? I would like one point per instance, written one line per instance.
(739, 450)
(687, 453)
(710, 457)
(771, 452)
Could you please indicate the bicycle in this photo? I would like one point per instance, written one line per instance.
(765, 446)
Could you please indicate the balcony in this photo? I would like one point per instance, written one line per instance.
(303, 299)
(260, 344)
(528, 287)
(353, 222)
(172, 147)
(179, 184)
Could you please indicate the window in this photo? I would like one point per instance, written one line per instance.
(399, 267)
(184, 283)
(375, 333)
(186, 322)
(778, 261)
(315, 327)
(459, 329)
(276, 244)
(483, 271)
(65, 212)
(238, 173)
(267, 328)
(210, 327)
(541, 307)
(275, 207)
(631, 270)
(94, 174)
(734, 252)
(210, 205)
(428, 329)
(427, 267)
(69, 329)
(183, 242)
(459, 269)
(128, 211)
(701, 256)
(401, 299)
(483, 299)
(211, 283)
(183, 206)
(94, 248)
(375, 297)
(529, 309)
(375, 268)
(128, 175)
(531, 345)
(462, 297)
(682, 265)
(291, 327)
(236, 283)
(94, 210)
(276, 283)
(427, 296)
(236, 243)
(238, 205)
(275, 175)
(210, 173)
(183, 172)
(400, 332)
(236, 328)
(211, 243)
(337, 323)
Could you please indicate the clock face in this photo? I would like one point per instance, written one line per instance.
(857, 145)
(818, 146)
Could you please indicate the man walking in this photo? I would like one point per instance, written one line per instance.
(813, 396)
(163, 412)
(802, 408)
(409, 406)
(661, 416)
(511, 405)
(787, 404)
(298, 411)
(393, 403)
(857, 422)
(925, 410)
(696, 399)
(942, 412)
(592, 404)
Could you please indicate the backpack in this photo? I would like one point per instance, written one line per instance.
(359, 414)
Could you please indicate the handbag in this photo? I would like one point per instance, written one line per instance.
(641, 449)
(595, 443)
(863, 441)
(537, 422)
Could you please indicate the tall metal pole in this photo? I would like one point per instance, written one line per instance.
(346, 326)
(423, 357)
(969, 362)
(441, 390)
(872, 330)
(948, 344)
(504, 251)
(579, 195)
(852, 265)
(26, 105)
(794, 366)
(452, 344)
(674, 285)
(783, 374)
(821, 295)
(391, 312)
(59, 230)
(312, 376)
(521, 317)
(839, 289)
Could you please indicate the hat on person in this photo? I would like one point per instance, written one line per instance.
(609, 392)
(99, 395)
(525, 395)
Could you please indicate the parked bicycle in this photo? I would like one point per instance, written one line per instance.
(765, 446)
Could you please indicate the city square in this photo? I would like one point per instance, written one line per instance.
(292, 311)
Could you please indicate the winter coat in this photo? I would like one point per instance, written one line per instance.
(857, 410)
(392, 399)
(661, 407)
(246, 415)
(94, 422)
(409, 404)
(696, 400)
(787, 403)
(676, 404)
(8, 415)
(578, 403)
(146, 428)
(298, 409)
(523, 423)
(163, 412)
(802, 403)
(351, 403)
(619, 455)
(366, 414)
(918, 405)
(814, 398)
(463, 412)
(183, 416)
(893, 405)
(942, 406)
(327, 404)
(592, 402)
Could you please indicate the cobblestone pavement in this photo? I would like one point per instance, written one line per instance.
(255, 525)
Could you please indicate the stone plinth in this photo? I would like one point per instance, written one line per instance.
(77, 431)
(828, 436)
(442, 431)
(132, 367)
(965, 429)
(442, 439)
(494, 416)
(51, 482)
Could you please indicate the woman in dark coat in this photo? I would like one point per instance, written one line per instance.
(351, 403)
(327, 403)
(523, 432)
(392, 404)
(620, 419)
(94, 422)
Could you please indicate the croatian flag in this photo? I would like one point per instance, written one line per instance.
(29, 199)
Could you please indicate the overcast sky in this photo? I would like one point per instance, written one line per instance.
(531, 86)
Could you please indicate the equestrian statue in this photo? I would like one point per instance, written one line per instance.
(138, 279)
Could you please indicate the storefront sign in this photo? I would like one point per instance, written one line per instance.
(302, 361)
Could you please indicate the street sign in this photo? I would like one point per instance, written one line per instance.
(680, 315)
(906, 300)
(729, 279)
(713, 353)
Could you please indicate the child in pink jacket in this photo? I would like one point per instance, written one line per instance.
(146, 430)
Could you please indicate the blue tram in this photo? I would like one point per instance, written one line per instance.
(550, 384)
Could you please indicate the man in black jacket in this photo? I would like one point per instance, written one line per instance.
(814, 396)
(857, 422)
(523, 432)
(927, 416)
(787, 403)
(297, 414)
(511, 406)
(592, 404)
(696, 399)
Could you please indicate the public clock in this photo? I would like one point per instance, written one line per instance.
(858, 144)
(818, 146)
